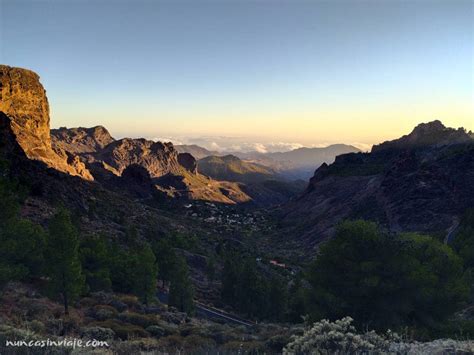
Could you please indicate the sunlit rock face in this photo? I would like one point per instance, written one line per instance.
(23, 99)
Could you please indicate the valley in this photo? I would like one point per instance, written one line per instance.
(241, 234)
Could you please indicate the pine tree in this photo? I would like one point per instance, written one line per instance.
(63, 264)
(144, 273)
(181, 293)
(95, 262)
(166, 260)
(21, 241)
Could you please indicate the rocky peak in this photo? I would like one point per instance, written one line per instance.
(433, 133)
(23, 100)
(157, 157)
(81, 140)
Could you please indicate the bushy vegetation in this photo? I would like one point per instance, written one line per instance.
(181, 293)
(339, 337)
(63, 265)
(384, 280)
(250, 291)
(94, 253)
(75, 265)
(22, 242)
(463, 241)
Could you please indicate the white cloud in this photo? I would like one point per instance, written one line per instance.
(283, 146)
(225, 144)
(259, 147)
(215, 146)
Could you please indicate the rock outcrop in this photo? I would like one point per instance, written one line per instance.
(188, 162)
(139, 167)
(158, 158)
(120, 165)
(433, 133)
(23, 100)
(421, 182)
(81, 140)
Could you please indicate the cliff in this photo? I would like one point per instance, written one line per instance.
(23, 100)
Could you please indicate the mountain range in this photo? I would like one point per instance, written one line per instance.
(422, 181)
(295, 164)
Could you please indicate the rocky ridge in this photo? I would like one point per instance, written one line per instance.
(421, 182)
(169, 172)
(93, 154)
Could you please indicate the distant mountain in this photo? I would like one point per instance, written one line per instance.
(231, 168)
(295, 164)
(313, 156)
(261, 183)
(195, 150)
(421, 182)
(298, 163)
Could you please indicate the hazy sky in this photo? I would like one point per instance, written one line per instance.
(303, 72)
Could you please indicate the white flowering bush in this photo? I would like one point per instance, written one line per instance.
(435, 347)
(339, 337)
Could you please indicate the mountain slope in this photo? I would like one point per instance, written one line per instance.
(422, 186)
(261, 183)
(313, 156)
(195, 150)
(231, 168)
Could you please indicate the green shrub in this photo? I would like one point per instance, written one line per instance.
(339, 337)
(387, 281)
(123, 330)
(225, 336)
(130, 300)
(142, 320)
(11, 333)
(454, 329)
(37, 308)
(244, 347)
(36, 326)
(187, 330)
(276, 343)
(155, 331)
(171, 343)
(169, 328)
(87, 302)
(198, 344)
(103, 312)
(97, 333)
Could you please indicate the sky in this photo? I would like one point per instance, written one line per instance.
(247, 73)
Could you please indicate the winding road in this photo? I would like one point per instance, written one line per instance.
(204, 311)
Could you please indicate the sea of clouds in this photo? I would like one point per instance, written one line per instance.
(243, 145)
